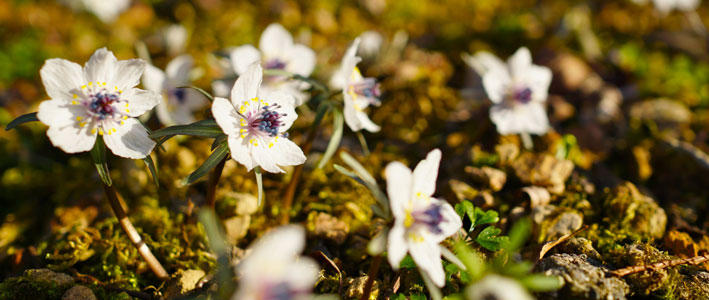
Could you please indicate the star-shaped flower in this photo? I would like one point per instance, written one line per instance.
(256, 123)
(358, 92)
(517, 90)
(100, 99)
(421, 222)
(277, 52)
(179, 103)
(274, 268)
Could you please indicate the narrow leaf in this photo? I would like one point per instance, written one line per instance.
(210, 131)
(368, 180)
(542, 283)
(153, 171)
(98, 154)
(201, 91)
(30, 117)
(259, 184)
(217, 155)
(338, 126)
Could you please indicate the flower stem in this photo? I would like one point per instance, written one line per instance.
(373, 270)
(213, 181)
(133, 235)
(363, 142)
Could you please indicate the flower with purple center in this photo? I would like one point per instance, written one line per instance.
(274, 269)
(518, 90)
(421, 221)
(359, 92)
(179, 104)
(256, 123)
(277, 51)
(98, 100)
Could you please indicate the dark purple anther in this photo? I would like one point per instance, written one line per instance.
(368, 88)
(101, 105)
(268, 121)
(523, 95)
(431, 217)
(179, 95)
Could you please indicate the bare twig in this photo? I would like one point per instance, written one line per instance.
(661, 265)
(373, 270)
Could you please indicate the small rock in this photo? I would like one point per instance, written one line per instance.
(48, 275)
(552, 222)
(463, 192)
(537, 196)
(493, 178)
(79, 292)
(543, 170)
(646, 282)
(584, 278)
(680, 244)
(183, 282)
(661, 111)
(693, 286)
(327, 226)
(628, 209)
(507, 152)
(571, 70)
(579, 245)
(236, 228)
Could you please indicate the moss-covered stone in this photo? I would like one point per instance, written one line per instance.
(584, 278)
(626, 209)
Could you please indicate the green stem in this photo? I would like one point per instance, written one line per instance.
(363, 142)
(213, 181)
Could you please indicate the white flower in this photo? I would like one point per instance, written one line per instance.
(106, 10)
(100, 99)
(358, 92)
(274, 268)
(175, 37)
(178, 104)
(371, 43)
(256, 123)
(421, 222)
(666, 6)
(277, 52)
(517, 90)
(498, 288)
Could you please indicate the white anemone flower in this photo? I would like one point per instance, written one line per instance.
(100, 99)
(517, 89)
(256, 123)
(274, 268)
(277, 51)
(498, 288)
(359, 92)
(106, 10)
(179, 104)
(666, 6)
(421, 221)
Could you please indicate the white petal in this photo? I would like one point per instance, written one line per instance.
(301, 60)
(59, 76)
(59, 112)
(426, 173)
(287, 153)
(302, 274)
(687, 5)
(101, 67)
(140, 101)
(396, 245)
(496, 83)
(175, 38)
(399, 180)
(427, 257)
(264, 156)
(129, 139)
(349, 62)
(275, 41)
(451, 221)
(279, 246)
(519, 61)
(178, 70)
(226, 117)
(244, 56)
(529, 118)
(537, 78)
(247, 86)
(240, 152)
(128, 73)
(484, 61)
(222, 87)
(163, 112)
(64, 131)
(154, 79)
(357, 119)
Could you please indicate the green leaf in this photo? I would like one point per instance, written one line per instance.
(363, 177)
(30, 117)
(519, 269)
(466, 208)
(217, 155)
(259, 184)
(489, 238)
(473, 262)
(542, 283)
(201, 91)
(98, 154)
(194, 129)
(153, 171)
(485, 217)
(338, 128)
(407, 263)
(518, 234)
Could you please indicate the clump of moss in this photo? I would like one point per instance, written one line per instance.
(36, 284)
(626, 209)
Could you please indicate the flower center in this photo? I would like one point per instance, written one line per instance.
(179, 95)
(522, 95)
(267, 121)
(278, 291)
(102, 106)
(275, 63)
(368, 88)
(431, 217)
